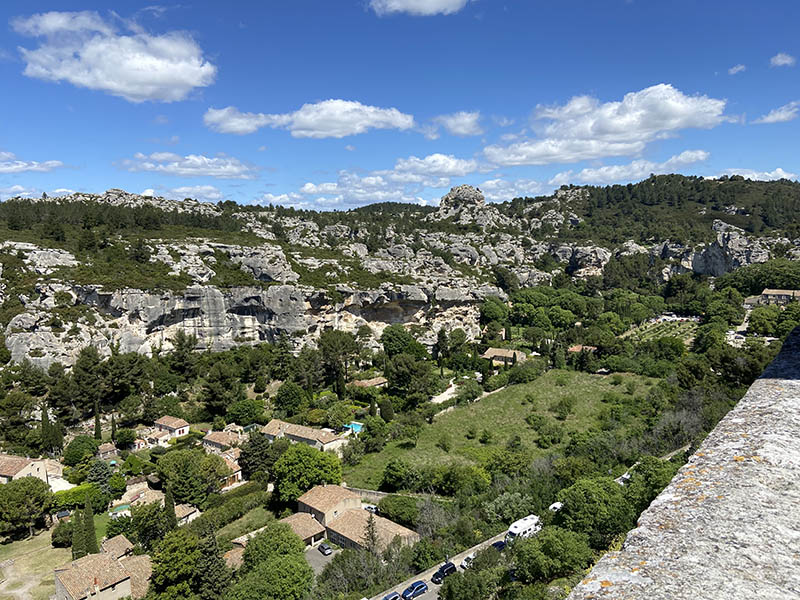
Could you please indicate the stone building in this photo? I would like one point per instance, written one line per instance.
(326, 502)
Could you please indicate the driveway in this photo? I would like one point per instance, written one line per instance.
(317, 560)
(433, 589)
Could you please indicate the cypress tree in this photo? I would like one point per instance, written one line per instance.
(373, 408)
(78, 546)
(212, 575)
(113, 428)
(47, 430)
(169, 511)
(89, 533)
(98, 433)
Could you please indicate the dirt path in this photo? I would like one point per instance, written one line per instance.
(16, 584)
(445, 395)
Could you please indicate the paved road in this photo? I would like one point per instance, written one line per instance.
(317, 560)
(433, 589)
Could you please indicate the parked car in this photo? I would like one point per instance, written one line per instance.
(499, 545)
(446, 569)
(415, 589)
(392, 596)
(371, 508)
(467, 562)
(325, 549)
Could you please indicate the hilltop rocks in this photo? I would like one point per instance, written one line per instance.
(43, 261)
(466, 205)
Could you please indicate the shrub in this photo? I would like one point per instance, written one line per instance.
(62, 535)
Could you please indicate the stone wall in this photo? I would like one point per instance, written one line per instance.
(728, 525)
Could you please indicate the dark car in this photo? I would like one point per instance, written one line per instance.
(325, 549)
(446, 569)
(499, 545)
(392, 596)
(415, 589)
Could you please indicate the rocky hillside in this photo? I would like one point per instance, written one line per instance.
(129, 271)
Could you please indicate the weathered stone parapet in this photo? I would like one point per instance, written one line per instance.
(728, 525)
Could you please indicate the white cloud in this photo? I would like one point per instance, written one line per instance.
(585, 129)
(737, 69)
(198, 192)
(192, 165)
(503, 121)
(329, 118)
(634, 171)
(787, 112)
(161, 120)
(782, 60)
(62, 192)
(148, 192)
(501, 190)
(422, 8)
(18, 191)
(438, 165)
(9, 163)
(760, 175)
(350, 148)
(462, 123)
(86, 51)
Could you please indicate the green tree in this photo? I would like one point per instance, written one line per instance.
(371, 540)
(281, 578)
(24, 503)
(98, 433)
(182, 360)
(100, 475)
(148, 523)
(170, 519)
(338, 415)
(470, 585)
(596, 508)
(397, 340)
(256, 454)
(79, 449)
(552, 553)
(289, 397)
(113, 428)
(175, 564)
(387, 409)
(78, 538)
(301, 467)
(89, 533)
(400, 509)
(191, 475)
(212, 575)
(277, 539)
(125, 438)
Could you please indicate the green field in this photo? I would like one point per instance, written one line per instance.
(683, 330)
(503, 414)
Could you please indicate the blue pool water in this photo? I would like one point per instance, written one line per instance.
(355, 426)
(120, 508)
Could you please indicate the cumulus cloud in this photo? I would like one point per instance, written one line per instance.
(736, 69)
(636, 170)
(777, 173)
(422, 8)
(782, 114)
(501, 190)
(198, 192)
(584, 128)
(439, 165)
(192, 165)
(83, 49)
(326, 119)
(18, 191)
(461, 123)
(9, 163)
(781, 59)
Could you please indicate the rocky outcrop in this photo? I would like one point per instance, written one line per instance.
(466, 205)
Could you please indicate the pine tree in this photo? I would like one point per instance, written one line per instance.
(212, 574)
(89, 533)
(78, 545)
(371, 541)
(169, 511)
(98, 433)
(48, 437)
(113, 429)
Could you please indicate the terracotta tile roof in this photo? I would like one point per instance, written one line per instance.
(232, 464)
(79, 576)
(276, 427)
(774, 292)
(352, 524)
(221, 438)
(184, 510)
(304, 525)
(117, 546)
(325, 497)
(580, 348)
(140, 569)
(107, 447)
(234, 453)
(158, 434)
(374, 382)
(234, 558)
(172, 422)
(11, 465)
(502, 353)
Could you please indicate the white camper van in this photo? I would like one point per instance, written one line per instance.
(524, 528)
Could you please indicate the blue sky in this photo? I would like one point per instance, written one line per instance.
(332, 104)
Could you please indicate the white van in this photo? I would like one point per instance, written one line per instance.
(524, 528)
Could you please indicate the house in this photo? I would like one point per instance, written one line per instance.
(96, 576)
(503, 356)
(577, 348)
(106, 451)
(306, 527)
(158, 437)
(17, 467)
(140, 444)
(349, 530)
(186, 513)
(772, 296)
(118, 546)
(217, 442)
(375, 382)
(320, 439)
(232, 461)
(140, 568)
(172, 425)
(327, 502)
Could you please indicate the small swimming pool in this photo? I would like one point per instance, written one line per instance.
(355, 426)
(121, 508)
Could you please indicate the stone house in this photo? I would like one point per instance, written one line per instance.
(217, 442)
(375, 382)
(106, 451)
(17, 467)
(320, 439)
(96, 576)
(349, 530)
(118, 546)
(306, 527)
(503, 356)
(172, 425)
(186, 513)
(326, 502)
